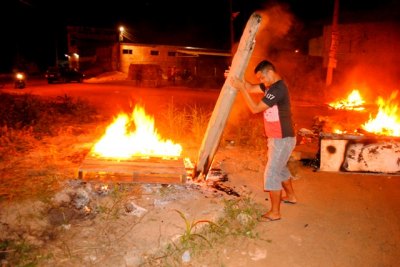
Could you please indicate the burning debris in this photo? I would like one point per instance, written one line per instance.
(387, 121)
(228, 190)
(354, 101)
(305, 136)
(120, 143)
(131, 150)
(373, 147)
(216, 174)
(215, 179)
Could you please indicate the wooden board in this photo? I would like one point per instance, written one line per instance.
(144, 170)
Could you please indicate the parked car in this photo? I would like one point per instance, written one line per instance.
(64, 75)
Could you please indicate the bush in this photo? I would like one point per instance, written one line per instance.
(28, 111)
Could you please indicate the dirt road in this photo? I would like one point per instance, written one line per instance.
(341, 219)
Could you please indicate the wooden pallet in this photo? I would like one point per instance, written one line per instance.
(144, 170)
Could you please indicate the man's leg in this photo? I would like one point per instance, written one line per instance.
(290, 195)
(275, 211)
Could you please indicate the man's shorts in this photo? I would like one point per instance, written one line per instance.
(276, 171)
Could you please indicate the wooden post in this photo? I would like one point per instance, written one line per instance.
(226, 98)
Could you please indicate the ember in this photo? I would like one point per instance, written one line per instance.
(119, 143)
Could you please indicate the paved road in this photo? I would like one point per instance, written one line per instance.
(120, 95)
(115, 96)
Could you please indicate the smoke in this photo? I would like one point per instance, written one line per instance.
(276, 22)
(372, 81)
(373, 64)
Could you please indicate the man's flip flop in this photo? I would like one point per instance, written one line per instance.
(287, 201)
(266, 218)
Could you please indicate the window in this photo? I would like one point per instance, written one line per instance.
(171, 53)
(127, 51)
(154, 52)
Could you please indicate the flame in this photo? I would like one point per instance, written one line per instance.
(353, 102)
(387, 121)
(119, 143)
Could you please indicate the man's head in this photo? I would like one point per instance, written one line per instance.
(265, 72)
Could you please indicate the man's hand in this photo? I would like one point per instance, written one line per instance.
(226, 72)
(236, 83)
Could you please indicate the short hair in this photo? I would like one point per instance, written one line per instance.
(265, 64)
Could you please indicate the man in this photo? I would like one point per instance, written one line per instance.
(279, 129)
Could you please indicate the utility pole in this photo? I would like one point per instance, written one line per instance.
(231, 29)
(332, 61)
(226, 98)
(56, 48)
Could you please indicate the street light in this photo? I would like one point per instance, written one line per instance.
(121, 39)
(76, 60)
(121, 33)
(124, 34)
(73, 61)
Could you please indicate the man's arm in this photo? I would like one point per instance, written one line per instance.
(252, 88)
(254, 107)
(245, 88)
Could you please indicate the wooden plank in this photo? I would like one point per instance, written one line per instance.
(148, 170)
(133, 178)
(226, 98)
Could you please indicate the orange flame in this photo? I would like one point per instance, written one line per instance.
(353, 102)
(387, 121)
(119, 143)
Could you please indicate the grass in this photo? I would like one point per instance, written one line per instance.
(240, 217)
(239, 220)
(20, 253)
(184, 122)
(188, 124)
(189, 236)
(26, 120)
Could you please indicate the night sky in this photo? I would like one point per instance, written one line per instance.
(36, 30)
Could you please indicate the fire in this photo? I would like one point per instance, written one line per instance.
(387, 121)
(353, 102)
(118, 142)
